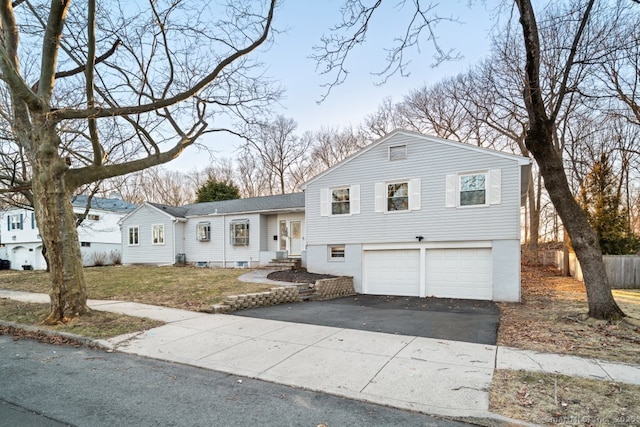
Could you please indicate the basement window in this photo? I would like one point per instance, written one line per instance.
(336, 253)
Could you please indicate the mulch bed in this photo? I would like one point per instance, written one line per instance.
(300, 275)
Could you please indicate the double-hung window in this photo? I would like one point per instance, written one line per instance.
(134, 236)
(398, 196)
(157, 234)
(473, 190)
(15, 222)
(203, 232)
(469, 189)
(340, 201)
(239, 232)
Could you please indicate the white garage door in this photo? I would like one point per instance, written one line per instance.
(392, 272)
(459, 273)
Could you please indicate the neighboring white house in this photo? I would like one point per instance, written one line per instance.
(99, 233)
(231, 233)
(420, 216)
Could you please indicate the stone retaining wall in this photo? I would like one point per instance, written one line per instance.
(324, 289)
(334, 288)
(278, 295)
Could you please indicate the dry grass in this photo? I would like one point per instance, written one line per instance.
(552, 318)
(96, 324)
(186, 287)
(546, 399)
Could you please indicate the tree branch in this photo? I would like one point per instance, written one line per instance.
(97, 112)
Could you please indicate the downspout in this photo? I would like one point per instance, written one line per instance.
(224, 241)
(175, 221)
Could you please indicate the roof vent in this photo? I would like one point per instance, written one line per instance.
(398, 152)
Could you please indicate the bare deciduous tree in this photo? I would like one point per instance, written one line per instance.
(278, 148)
(149, 76)
(543, 113)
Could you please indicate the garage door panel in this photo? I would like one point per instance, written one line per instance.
(459, 273)
(392, 272)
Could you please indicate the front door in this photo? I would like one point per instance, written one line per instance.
(295, 244)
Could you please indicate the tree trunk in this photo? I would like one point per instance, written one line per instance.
(540, 143)
(534, 221)
(57, 226)
(583, 238)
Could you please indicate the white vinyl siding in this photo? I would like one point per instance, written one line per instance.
(144, 218)
(432, 170)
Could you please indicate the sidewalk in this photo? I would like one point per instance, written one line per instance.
(437, 377)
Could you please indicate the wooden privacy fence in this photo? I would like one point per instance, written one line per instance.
(623, 271)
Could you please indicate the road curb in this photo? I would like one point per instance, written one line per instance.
(82, 340)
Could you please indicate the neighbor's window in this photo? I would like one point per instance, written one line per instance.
(203, 232)
(340, 204)
(15, 222)
(473, 189)
(85, 244)
(398, 196)
(240, 233)
(93, 217)
(134, 234)
(157, 233)
(336, 252)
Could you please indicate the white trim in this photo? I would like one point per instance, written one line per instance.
(380, 197)
(129, 235)
(467, 244)
(415, 194)
(354, 199)
(495, 187)
(324, 202)
(153, 228)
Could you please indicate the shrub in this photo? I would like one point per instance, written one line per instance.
(99, 259)
(115, 257)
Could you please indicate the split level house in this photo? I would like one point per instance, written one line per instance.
(420, 216)
(99, 233)
(408, 215)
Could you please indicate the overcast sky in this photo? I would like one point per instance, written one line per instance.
(304, 22)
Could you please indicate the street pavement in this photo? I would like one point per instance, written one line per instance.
(429, 375)
(44, 385)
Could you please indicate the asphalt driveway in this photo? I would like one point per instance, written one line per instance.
(441, 318)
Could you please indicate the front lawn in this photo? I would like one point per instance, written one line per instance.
(179, 287)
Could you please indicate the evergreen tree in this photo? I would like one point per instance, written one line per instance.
(214, 191)
(601, 200)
